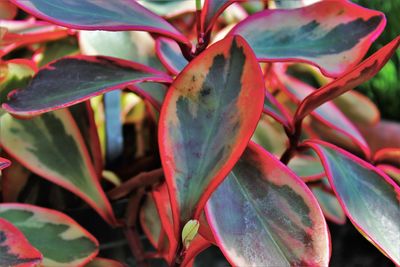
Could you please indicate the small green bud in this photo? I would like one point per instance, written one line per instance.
(189, 232)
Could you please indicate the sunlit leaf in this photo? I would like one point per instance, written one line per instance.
(264, 215)
(369, 198)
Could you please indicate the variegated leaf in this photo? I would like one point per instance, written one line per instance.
(15, 250)
(264, 215)
(207, 118)
(52, 147)
(333, 35)
(60, 239)
(72, 80)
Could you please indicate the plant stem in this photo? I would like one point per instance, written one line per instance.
(143, 179)
(294, 138)
(179, 255)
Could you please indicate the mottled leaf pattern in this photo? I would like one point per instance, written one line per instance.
(208, 116)
(60, 239)
(15, 250)
(333, 35)
(264, 215)
(52, 147)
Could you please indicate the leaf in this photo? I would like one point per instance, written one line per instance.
(152, 92)
(7, 10)
(170, 55)
(293, 3)
(134, 46)
(72, 80)
(118, 15)
(13, 181)
(308, 168)
(264, 215)
(358, 108)
(388, 156)
(332, 35)
(352, 78)
(60, 239)
(4, 163)
(392, 171)
(52, 147)
(207, 118)
(15, 250)
(151, 224)
(169, 8)
(211, 11)
(329, 204)
(15, 73)
(101, 262)
(84, 118)
(23, 33)
(328, 114)
(270, 135)
(369, 198)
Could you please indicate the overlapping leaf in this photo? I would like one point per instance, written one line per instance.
(208, 116)
(170, 55)
(60, 239)
(333, 35)
(118, 15)
(369, 198)
(327, 113)
(329, 204)
(356, 76)
(15, 250)
(264, 215)
(75, 79)
(52, 147)
(211, 10)
(15, 73)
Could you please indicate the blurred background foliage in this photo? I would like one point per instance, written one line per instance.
(384, 88)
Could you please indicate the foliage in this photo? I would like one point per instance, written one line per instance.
(231, 124)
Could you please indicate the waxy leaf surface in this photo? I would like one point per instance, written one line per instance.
(369, 198)
(75, 79)
(356, 76)
(208, 116)
(52, 147)
(60, 239)
(333, 35)
(264, 215)
(116, 15)
(170, 55)
(15, 250)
